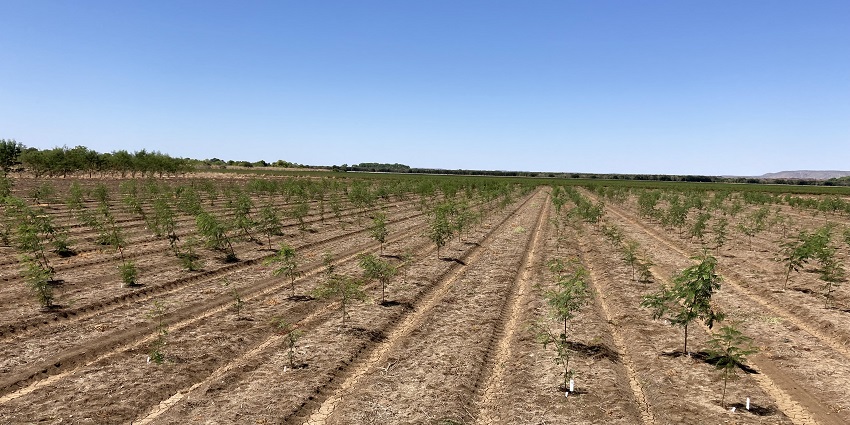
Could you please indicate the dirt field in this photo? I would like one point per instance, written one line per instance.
(453, 344)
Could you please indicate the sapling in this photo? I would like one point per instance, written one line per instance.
(238, 302)
(440, 229)
(38, 277)
(269, 223)
(157, 315)
(689, 298)
(644, 269)
(188, 257)
(381, 270)
(720, 232)
(328, 263)
(728, 350)
(379, 230)
(343, 287)
(285, 256)
(795, 253)
(291, 336)
(630, 255)
(215, 234)
(699, 226)
(129, 272)
(570, 293)
(560, 344)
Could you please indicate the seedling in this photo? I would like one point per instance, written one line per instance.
(238, 303)
(560, 344)
(728, 350)
(189, 257)
(689, 298)
(378, 269)
(291, 336)
(342, 287)
(38, 278)
(285, 256)
(129, 273)
(157, 315)
(379, 229)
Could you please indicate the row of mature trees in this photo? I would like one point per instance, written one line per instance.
(64, 161)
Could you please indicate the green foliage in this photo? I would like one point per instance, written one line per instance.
(612, 233)
(241, 206)
(188, 257)
(689, 298)
(344, 288)
(754, 223)
(157, 313)
(10, 152)
(728, 350)
(129, 273)
(299, 211)
(285, 256)
(328, 263)
(291, 335)
(269, 223)
(379, 230)
(630, 256)
(571, 292)
(699, 226)
(560, 344)
(375, 268)
(38, 278)
(214, 233)
(720, 232)
(440, 229)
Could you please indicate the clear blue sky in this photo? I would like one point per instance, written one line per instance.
(738, 87)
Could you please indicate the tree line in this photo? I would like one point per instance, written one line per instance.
(64, 161)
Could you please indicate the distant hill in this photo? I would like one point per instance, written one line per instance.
(806, 174)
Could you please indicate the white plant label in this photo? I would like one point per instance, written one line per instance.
(748, 403)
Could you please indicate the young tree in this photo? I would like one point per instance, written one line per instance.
(721, 235)
(795, 253)
(157, 314)
(379, 229)
(238, 302)
(561, 345)
(291, 336)
(689, 298)
(630, 255)
(215, 234)
(728, 350)
(285, 256)
(189, 258)
(440, 230)
(699, 226)
(38, 278)
(375, 268)
(570, 293)
(269, 223)
(342, 287)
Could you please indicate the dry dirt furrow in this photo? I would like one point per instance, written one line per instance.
(646, 413)
(401, 334)
(136, 295)
(491, 390)
(94, 350)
